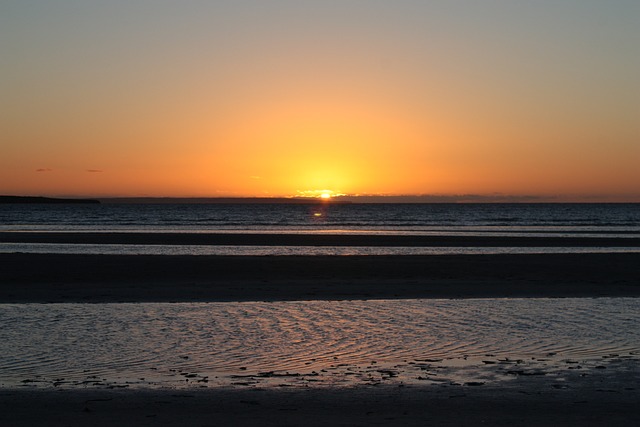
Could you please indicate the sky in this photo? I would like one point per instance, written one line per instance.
(197, 98)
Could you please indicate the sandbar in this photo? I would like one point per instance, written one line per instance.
(183, 278)
(321, 239)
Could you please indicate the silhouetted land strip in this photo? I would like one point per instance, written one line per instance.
(113, 278)
(222, 200)
(44, 200)
(257, 239)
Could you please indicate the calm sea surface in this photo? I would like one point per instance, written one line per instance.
(570, 220)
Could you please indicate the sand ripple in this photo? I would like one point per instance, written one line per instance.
(152, 340)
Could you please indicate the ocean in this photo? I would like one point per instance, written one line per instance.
(540, 220)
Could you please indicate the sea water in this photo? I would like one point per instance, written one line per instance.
(326, 217)
(559, 220)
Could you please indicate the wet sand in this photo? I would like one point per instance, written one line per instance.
(599, 400)
(451, 392)
(148, 278)
(324, 239)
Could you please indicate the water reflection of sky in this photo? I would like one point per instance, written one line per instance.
(346, 342)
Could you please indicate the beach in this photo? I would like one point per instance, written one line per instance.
(148, 278)
(319, 239)
(499, 391)
(599, 400)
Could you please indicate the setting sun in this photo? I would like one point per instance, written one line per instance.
(318, 194)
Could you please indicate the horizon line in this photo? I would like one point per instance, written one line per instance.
(424, 198)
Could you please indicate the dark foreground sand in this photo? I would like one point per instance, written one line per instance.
(599, 401)
(137, 278)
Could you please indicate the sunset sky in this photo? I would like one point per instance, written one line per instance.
(285, 98)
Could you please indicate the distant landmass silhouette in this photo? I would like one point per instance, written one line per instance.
(205, 200)
(44, 200)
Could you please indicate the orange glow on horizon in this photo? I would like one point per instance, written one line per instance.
(296, 148)
(320, 99)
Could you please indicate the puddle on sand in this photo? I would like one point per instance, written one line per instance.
(315, 343)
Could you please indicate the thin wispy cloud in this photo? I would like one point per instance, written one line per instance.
(94, 170)
(44, 170)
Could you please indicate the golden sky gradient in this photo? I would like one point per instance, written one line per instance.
(285, 98)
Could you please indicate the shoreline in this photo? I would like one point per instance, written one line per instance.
(44, 278)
